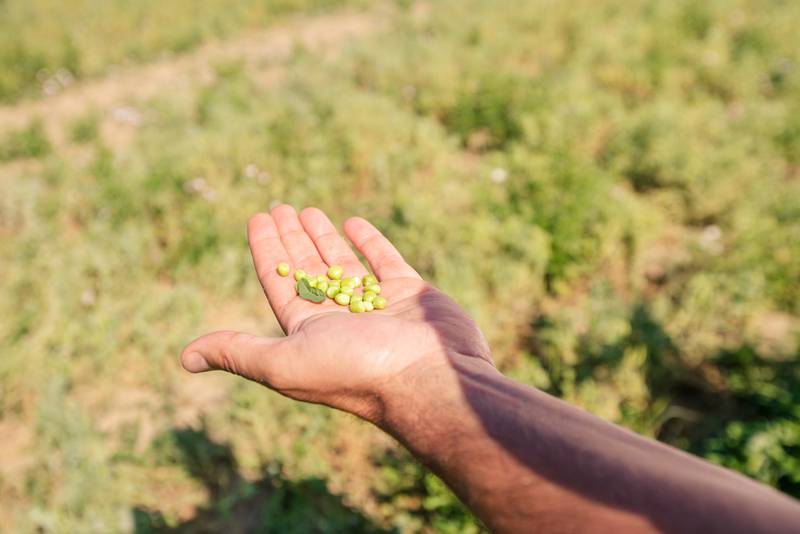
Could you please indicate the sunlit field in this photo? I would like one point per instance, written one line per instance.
(611, 189)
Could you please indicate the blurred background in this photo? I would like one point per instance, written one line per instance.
(612, 189)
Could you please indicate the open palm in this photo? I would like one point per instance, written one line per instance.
(330, 355)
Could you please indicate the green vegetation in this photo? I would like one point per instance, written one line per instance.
(46, 44)
(308, 292)
(30, 142)
(612, 191)
(85, 129)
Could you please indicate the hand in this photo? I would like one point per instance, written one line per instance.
(330, 355)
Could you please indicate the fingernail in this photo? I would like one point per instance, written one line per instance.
(194, 362)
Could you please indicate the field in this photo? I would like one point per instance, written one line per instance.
(612, 189)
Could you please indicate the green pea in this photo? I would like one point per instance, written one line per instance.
(347, 290)
(335, 272)
(357, 306)
(356, 298)
(369, 280)
(283, 268)
(335, 283)
(375, 288)
(322, 286)
(312, 281)
(299, 274)
(353, 281)
(368, 306)
(321, 278)
(369, 296)
(332, 291)
(342, 299)
(379, 303)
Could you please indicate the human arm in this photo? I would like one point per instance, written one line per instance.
(422, 371)
(524, 461)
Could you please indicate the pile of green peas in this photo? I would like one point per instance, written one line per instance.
(358, 294)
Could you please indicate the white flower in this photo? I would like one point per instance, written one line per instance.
(127, 115)
(88, 298)
(199, 186)
(64, 77)
(251, 171)
(498, 175)
(711, 234)
(710, 239)
(50, 87)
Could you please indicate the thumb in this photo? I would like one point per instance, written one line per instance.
(252, 357)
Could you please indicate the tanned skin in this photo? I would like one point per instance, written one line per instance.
(522, 460)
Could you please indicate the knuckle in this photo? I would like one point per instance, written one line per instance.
(373, 241)
(228, 359)
(327, 236)
(292, 234)
(228, 362)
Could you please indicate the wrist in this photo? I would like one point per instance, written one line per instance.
(433, 384)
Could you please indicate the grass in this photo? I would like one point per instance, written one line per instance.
(45, 45)
(612, 193)
(30, 142)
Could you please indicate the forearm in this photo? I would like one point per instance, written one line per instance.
(523, 460)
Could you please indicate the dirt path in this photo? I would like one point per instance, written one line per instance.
(260, 52)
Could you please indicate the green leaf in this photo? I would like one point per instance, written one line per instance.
(309, 293)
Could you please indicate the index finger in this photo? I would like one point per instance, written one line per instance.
(268, 251)
(385, 260)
